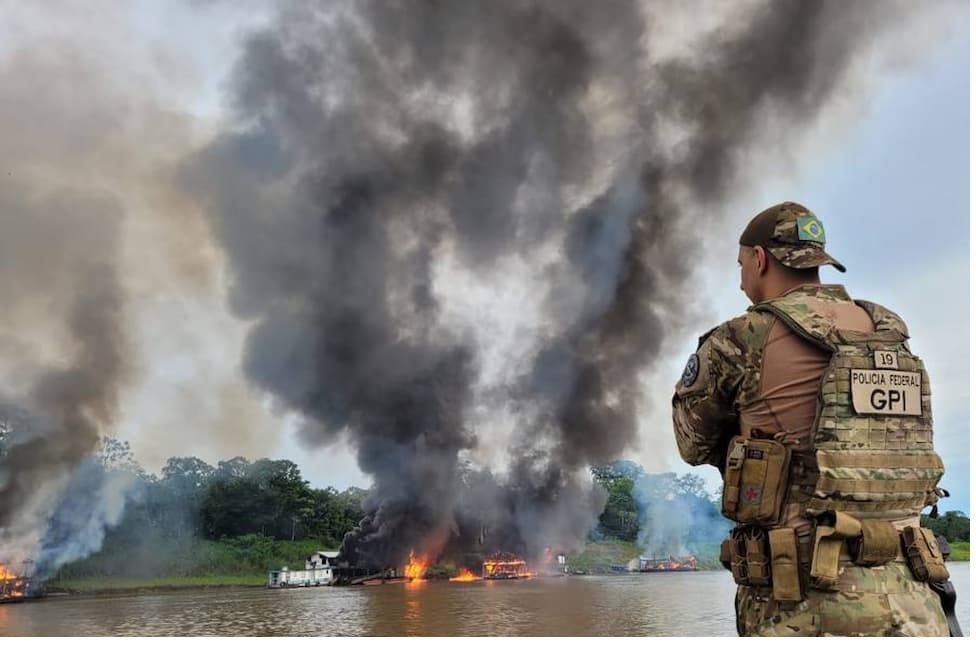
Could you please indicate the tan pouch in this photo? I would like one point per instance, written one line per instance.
(785, 565)
(923, 555)
(749, 557)
(877, 544)
(756, 473)
(725, 553)
(831, 533)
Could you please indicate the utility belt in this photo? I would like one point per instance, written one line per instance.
(758, 557)
(761, 553)
(774, 557)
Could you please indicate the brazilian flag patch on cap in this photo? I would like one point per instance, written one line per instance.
(809, 228)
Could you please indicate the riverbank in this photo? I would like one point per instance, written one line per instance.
(599, 557)
(93, 586)
(213, 565)
(960, 552)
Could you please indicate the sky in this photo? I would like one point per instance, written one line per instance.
(887, 174)
(893, 194)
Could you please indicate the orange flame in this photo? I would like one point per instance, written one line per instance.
(505, 569)
(465, 576)
(11, 585)
(670, 563)
(416, 568)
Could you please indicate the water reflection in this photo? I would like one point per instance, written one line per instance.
(677, 604)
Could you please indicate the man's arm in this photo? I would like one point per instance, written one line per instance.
(704, 408)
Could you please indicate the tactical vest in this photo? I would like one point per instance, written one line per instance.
(868, 463)
(872, 454)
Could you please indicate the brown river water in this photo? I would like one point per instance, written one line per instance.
(651, 604)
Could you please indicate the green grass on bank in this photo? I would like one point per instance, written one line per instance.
(239, 557)
(599, 556)
(102, 585)
(960, 552)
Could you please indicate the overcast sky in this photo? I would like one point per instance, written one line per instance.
(893, 193)
(890, 181)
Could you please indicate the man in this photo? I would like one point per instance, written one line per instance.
(819, 417)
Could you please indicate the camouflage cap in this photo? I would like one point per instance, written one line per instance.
(792, 234)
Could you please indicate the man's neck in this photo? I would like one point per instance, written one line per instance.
(783, 286)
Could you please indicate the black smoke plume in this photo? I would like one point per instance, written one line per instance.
(376, 144)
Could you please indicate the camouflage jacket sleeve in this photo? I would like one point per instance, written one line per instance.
(705, 405)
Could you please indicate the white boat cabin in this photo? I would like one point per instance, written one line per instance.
(317, 572)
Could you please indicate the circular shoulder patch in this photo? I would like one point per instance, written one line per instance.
(690, 373)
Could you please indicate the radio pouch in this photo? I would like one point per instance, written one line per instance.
(922, 554)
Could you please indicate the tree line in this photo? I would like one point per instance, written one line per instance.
(953, 525)
(191, 498)
(638, 501)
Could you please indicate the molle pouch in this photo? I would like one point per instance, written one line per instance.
(756, 473)
(725, 553)
(785, 565)
(923, 555)
(876, 545)
(833, 530)
(749, 551)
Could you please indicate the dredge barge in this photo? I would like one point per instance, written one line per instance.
(19, 586)
(670, 563)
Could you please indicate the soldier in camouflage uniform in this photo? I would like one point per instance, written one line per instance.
(822, 392)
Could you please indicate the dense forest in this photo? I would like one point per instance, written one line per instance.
(191, 498)
(245, 516)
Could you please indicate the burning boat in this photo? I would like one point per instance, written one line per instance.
(670, 563)
(504, 567)
(420, 568)
(15, 587)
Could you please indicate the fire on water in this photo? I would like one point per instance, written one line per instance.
(416, 567)
(465, 576)
(501, 566)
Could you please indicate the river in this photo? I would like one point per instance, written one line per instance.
(658, 604)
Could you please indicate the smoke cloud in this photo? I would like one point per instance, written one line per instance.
(457, 234)
(375, 146)
(101, 259)
(675, 516)
(62, 320)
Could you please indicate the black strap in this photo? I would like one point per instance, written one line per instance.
(947, 596)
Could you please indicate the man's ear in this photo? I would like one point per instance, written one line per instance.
(762, 259)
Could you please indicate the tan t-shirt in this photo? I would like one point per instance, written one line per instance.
(791, 372)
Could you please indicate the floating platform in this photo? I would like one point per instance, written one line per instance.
(666, 564)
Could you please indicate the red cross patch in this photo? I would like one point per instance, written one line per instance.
(752, 494)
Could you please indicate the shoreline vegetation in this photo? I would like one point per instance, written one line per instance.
(595, 559)
(115, 585)
(200, 526)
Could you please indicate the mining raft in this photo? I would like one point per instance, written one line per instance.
(16, 585)
(670, 563)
